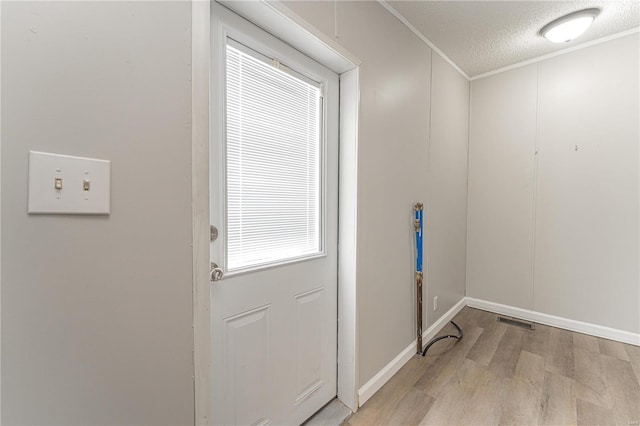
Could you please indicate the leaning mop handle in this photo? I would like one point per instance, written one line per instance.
(418, 226)
(418, 209)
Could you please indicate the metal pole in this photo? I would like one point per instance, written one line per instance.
(418, 210)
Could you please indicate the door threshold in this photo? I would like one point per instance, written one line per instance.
(332, 414)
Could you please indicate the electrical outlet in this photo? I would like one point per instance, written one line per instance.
(435, 303)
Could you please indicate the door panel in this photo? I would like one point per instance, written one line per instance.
(309, 316)
(245, 368)
(274, 326)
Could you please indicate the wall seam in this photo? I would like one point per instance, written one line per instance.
(535, 190)
(0, 224)
(466, 230)
(335, 19)
(428, 200)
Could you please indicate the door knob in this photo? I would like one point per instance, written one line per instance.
(216, 273)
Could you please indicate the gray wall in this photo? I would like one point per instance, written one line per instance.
(557, 232)
(501, 187)
(393, 173)
(446, 209)
(97, 311)
(587, 220)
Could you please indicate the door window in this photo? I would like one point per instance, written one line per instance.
(274, 161)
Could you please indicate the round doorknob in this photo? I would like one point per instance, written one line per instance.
(216, 273)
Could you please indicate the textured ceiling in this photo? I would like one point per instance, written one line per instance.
(482, 36)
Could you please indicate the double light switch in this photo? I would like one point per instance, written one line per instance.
(63, 184)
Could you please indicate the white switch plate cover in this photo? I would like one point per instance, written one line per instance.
(44, 198)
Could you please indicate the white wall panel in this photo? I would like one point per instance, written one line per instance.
(582, 255)
(98, 311)
(446, 208)
(586, 265)
(501, 187)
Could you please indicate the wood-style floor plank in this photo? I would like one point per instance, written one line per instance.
(486, 403)
(624, 390)
(593, 415)
(634, 358)
(558, 404)
(484, 319)
(444, 366)
(586, 342)
(383, 403)
(507, 353)
(455, 398)
(536, 341)
(485, 348)
(560, 353)
(468, 318)
(591, 385)
(614, 349)
(411, 408)
(522, 402)
(500, 374)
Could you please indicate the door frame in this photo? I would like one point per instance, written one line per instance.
(277, 19)
(0, 219)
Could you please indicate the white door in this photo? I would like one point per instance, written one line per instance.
(274, 154)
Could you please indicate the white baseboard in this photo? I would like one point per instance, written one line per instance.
(435, 328)
(554, 321)
(377, 381)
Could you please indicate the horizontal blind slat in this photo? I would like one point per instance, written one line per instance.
(273, 163)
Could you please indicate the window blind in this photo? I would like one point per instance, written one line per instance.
(273, 162)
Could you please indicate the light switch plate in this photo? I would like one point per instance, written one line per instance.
(48, 171)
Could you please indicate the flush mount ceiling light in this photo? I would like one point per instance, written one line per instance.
(570, 26)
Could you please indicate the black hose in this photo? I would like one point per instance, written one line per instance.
(448, 336)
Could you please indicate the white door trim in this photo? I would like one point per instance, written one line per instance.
(288, 26)
(348, 378)
(0, 220)
(280, 21)
(200, 78)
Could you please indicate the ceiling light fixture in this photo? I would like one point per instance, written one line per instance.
(568, 27)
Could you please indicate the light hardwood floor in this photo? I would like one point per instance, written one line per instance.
(500, 374)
